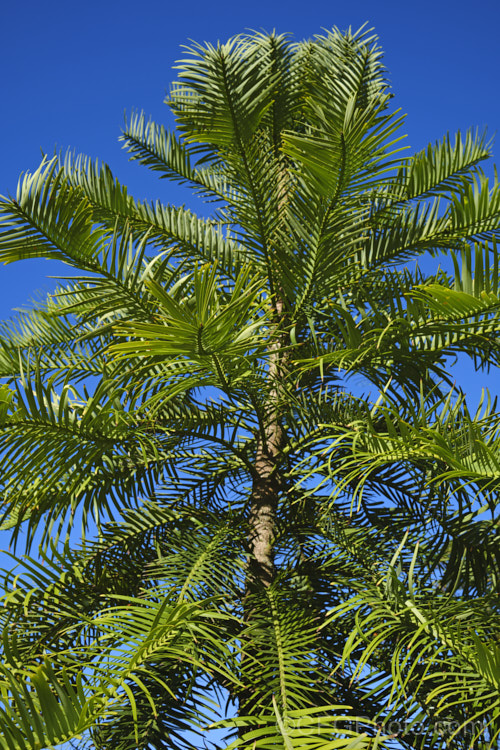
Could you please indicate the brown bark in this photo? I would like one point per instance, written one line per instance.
(266, 483)
(262, 519)
(263, 505)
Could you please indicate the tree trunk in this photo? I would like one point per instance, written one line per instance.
(262, 519)
(263, 505)
(266, 483)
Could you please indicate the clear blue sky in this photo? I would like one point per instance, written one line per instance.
(70, 70)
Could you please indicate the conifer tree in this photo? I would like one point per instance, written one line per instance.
(288, 513)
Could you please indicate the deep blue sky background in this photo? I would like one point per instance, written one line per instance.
(70, 70)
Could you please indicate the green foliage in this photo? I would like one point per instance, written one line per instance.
(141, 400)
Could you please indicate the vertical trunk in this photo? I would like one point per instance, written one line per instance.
(263, 506)
(266, 483)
